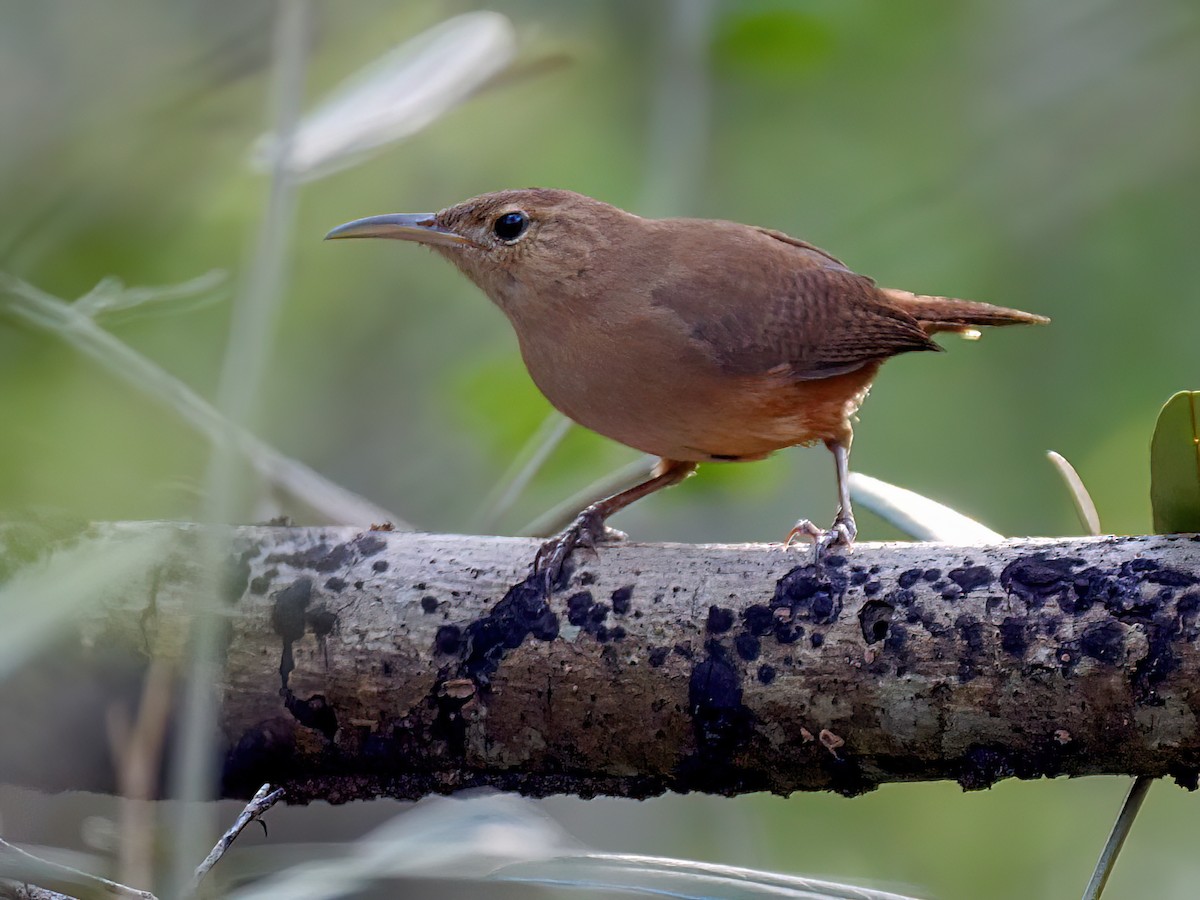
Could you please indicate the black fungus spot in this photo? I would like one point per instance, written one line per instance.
(1187, 608)
(897, 634)
(1012, 636)
(386, 667)
(720, 619)
(621, 599)
(335, 584)
(909, 577)
(846, 775)
(1167, 576)
(983, 766)
(1104, 641)
(932, 574)
(616, 633)
(448, 639)
(816, 639)
(970, 578)
(811, 594)
(287, 621)
(834, 560)
(759, 619)
(1037, 578)
(522, 613)
(237, 576)
(720, 721)
(970, 631)
(337, 558)
(587, 579)
(369, 544)
(871, 588)
(429, 603)
(766, 673)
(858, 576)
(313, 713)
(684, 650)
(1186, 777)
(1159, 662)
(875, 617)
(321, 619)
(578, 607)
(787, 632)
(658, 656)
(380, 565)
(747, 646)
(262, 583)
(1119, 591)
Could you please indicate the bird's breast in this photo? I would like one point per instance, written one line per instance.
(646, 383)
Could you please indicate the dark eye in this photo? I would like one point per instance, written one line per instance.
(511, 226)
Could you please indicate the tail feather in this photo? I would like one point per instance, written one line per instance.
(947, 314)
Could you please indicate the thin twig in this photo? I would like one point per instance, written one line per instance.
(1116, 839)
(261, 802)
(37, 869)
(528, 461)
(556, 518)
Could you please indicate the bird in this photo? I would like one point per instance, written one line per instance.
(695, 340)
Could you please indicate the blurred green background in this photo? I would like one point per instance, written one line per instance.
(1043, 156)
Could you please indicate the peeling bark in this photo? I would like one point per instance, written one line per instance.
(361, 664)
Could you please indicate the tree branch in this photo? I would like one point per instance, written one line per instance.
(361, 664)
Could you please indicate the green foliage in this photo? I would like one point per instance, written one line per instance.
(771, 44)
(1175, 465)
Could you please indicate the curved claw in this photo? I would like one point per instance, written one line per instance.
(586, 531)
(840, 535)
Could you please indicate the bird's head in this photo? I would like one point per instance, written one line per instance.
(524, 248)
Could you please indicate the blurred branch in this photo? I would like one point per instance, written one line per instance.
(259, 804)
(360, 664)
(679, 121)
(137, 749)
(25, 303)
(19, 865)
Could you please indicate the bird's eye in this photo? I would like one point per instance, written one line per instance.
(511, 225)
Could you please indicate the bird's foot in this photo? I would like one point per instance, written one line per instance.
(586, 531)
(840, 536)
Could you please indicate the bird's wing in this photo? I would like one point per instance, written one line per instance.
(806, 316)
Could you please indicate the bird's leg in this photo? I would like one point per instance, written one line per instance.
(589, 529)
(844, 531)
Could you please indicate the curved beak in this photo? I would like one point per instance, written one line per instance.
(419, 227)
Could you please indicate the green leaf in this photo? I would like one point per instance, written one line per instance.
(1175, 465)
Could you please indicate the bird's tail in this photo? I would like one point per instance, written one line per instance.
(947, 314)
